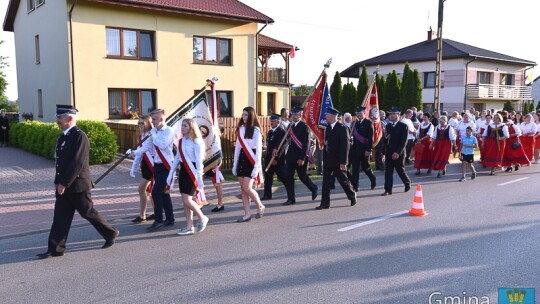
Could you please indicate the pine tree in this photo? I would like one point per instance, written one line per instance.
(335, 91)
(417, 90)
(538, 106)
(363, 83)
(348, 98)
(508, 106)
(379, 81)
(531, 106)
(391, 91)
(407, 90)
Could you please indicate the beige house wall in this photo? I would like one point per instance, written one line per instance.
(173, 74)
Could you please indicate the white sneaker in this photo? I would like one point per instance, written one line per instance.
(186, 231)
(202, 225)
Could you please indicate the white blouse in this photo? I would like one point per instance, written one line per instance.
(462, 128)
(193, 150)
(504, 129)
(163, 139)
(527, 128)
(451, 133)
(429, 131)
(251, 143)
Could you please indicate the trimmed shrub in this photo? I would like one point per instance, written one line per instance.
(40, 138)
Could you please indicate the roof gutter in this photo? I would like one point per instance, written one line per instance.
(70, 14)
(466, 80)
(257, 58)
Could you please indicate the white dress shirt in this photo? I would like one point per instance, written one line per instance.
(251, 143)
(193, 150)
(164, 140)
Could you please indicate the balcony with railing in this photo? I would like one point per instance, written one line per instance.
(272, 75)
(498, 92)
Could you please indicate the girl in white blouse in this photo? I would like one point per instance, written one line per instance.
(247, 161)
(528, 130)
(190, 155)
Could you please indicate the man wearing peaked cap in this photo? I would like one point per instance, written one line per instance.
(73, 184)
(335, 158)
(362, 143)
(273, 139)
(296, 157)
(396, 140)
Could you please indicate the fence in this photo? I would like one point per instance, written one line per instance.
(127, 136)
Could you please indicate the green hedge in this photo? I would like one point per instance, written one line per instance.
(40, 138)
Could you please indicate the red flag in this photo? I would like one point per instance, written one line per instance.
(291, 53)
(312, 111)
(372, 107)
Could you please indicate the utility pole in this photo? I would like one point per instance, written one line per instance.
(437, 99)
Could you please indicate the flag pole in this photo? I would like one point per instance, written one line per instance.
(368, 92)
(203, 89)
(326, 66)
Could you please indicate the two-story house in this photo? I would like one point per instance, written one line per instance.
(110, 58)
(470, 76)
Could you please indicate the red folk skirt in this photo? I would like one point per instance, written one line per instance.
(514, 156)
(480, 140)
(423, 154)
(493, 155)
(527, 143)
(537, 141)
(441, 153)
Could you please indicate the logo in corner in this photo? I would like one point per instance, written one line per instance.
(516, 295)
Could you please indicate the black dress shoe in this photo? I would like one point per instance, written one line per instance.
(386, 193)
(168, 223)
(373, 182)
(110, 242)
(353, 201)
(407, 187)
(151, 217)
(314, 193)
(266, 198)
(155, 226)
(289, 202)
(49, 254)
(218, 209)
(321, 207)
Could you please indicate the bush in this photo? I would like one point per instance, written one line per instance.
(40, 138)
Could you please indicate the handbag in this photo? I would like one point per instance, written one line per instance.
(515, 145)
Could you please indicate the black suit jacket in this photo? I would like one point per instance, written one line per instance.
(336, 145)
(365, 129)
(294, 153)
(273, 139)
(396, 138)
(72, 161)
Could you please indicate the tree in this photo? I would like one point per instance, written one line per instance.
(508, 106)
(417, 84)
(302, 90)
(379, 81)
(348, 98)
(3, 82)
(391, 90)
(538, 106)
(407, 92)
(531, 106)
(363, 84)
(335, 90)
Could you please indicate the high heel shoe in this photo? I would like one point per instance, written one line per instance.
(509, 169)
(260, 213)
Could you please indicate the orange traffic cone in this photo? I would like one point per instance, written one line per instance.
(418, 203)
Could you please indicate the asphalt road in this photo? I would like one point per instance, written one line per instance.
(479, 235)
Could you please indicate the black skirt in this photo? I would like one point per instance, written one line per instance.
(185, 183)
(244, 167)
(147, 173)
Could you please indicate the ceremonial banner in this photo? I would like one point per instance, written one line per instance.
(199, 110)
(372, 107)
(312, 111)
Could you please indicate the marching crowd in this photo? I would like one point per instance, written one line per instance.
(505, 140)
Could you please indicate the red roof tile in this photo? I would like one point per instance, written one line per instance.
(221, 9)
(271, 43)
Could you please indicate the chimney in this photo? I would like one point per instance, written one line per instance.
(431, 34)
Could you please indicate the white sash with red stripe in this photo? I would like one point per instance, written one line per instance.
(251, 157)
(192, 173)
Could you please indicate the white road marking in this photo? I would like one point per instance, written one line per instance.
(514, 181)
(382, 218)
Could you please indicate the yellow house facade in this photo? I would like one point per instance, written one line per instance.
(114, 60)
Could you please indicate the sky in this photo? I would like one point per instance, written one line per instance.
(351, 31)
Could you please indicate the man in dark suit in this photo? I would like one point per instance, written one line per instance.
(296, 157)
(4, 129)
(273, 139)
(396, 140)
(73, 184)
(336, 151)
(362, 143)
